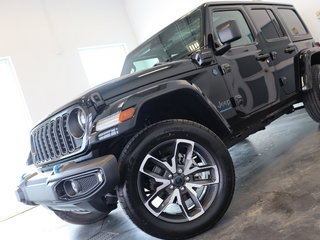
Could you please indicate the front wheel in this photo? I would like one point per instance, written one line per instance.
(311, 99)
(177, 179)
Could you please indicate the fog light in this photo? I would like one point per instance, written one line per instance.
(72, 188)
(79, 185)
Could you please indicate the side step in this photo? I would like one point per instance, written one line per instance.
(298, 106)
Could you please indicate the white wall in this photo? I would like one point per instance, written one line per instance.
(42, 37)
(149, 16)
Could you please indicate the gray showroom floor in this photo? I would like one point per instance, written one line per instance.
(277, 194)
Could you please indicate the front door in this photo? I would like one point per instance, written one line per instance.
(280, 47)
(245, 65)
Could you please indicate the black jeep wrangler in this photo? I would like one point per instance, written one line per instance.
(157, 138)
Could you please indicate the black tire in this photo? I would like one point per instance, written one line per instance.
(133, 171)
(80, 218)
(311, 99)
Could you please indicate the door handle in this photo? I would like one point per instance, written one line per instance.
(274, 55)
(289, 49)
(263, 57)
(225, 68)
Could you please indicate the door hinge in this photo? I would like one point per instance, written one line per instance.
(237, 100)
(225, 68)
(274, 55)
(283, 81)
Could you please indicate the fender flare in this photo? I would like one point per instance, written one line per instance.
(303, 62)
(140, 99)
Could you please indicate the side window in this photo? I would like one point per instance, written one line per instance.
(267, 23)
(220, 17)
(293, 21)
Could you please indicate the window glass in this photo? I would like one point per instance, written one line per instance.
(267, 23)
(276, 24)
(293, 22)
(221, 17)
(175, 42)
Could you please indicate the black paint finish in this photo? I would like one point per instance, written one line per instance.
(255, 81)
(234, 89)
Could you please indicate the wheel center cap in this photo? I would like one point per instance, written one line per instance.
(178, 181)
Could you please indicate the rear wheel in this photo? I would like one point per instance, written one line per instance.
(177, 179)
(311, 99)
(81, 218)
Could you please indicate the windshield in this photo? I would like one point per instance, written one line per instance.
(176, 41)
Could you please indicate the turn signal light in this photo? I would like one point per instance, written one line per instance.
(126, 114)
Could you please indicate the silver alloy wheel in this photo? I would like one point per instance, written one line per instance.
(178, 180)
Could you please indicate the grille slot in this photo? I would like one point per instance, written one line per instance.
(51, 141)
(54, 138)
(67, 136)
(44, 142)
(40, 144)
(61, 139)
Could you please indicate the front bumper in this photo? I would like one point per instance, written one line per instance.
(76, 187)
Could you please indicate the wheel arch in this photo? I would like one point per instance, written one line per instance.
(177, 100)
(315, 58)
(303, 62)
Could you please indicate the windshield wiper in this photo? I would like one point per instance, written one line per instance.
(162, 62)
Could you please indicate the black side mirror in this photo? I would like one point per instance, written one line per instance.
(228, 32)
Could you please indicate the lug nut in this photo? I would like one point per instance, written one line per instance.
(187, 179)
(171, 187)
(180, 170)
(170, 176)
(182, 188)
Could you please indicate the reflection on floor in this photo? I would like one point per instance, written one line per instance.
(277, 194)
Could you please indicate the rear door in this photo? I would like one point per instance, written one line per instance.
(278, 44)
(245, 66)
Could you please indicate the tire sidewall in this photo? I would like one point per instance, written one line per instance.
(137, 151)
(311, 98)
(316, 79)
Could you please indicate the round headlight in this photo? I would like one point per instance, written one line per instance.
(82, 119)
(77, 122)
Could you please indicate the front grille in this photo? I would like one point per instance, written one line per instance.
(51, 141)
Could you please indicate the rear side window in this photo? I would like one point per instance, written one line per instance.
(267, 23)
(220, 17)
(293, 22)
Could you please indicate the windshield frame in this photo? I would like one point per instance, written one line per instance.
(128, 61)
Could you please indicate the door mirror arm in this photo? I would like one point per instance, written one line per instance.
(203, 57)
(223, 49)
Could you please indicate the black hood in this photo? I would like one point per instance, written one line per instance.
(128, 83)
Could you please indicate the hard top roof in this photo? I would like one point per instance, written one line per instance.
(245, 3)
